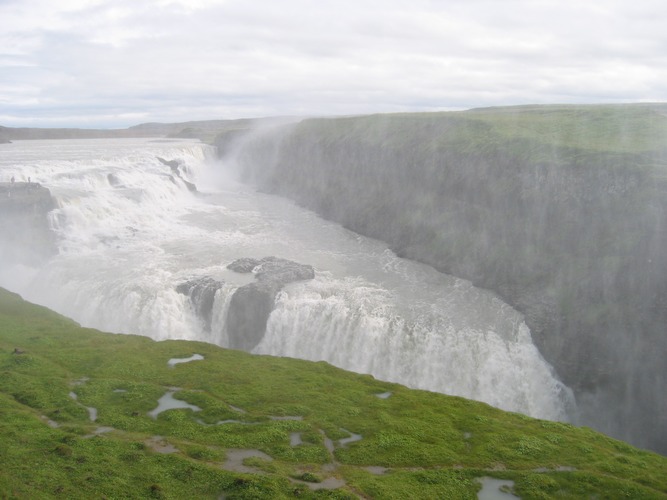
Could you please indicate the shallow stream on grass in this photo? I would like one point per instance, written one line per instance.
(129, 231)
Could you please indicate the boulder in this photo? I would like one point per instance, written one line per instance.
(201, 292)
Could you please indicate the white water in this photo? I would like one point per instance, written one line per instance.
(127, 241)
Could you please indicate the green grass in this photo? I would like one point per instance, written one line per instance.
(434, 446)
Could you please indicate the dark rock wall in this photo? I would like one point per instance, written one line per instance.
(572, 236)
(24, 228)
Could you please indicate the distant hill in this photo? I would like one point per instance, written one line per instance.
(205, 130)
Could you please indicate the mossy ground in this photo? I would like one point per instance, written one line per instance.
(433, 446)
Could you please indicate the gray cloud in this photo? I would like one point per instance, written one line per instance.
(117, 62)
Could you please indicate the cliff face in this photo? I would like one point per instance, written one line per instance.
(561, 211)
(24, 230)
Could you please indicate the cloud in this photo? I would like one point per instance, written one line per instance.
(111, 61)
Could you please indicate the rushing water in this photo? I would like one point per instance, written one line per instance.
(129, 231)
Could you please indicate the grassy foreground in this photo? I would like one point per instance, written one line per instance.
(410, 444)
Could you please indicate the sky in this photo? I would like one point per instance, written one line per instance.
(117, 63)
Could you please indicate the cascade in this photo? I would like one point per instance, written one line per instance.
(141, 251)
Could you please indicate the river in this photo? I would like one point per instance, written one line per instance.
(129, 231)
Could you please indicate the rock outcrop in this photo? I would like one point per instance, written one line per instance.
(176, 168)
(25, 235)
(201, 292)
(251, 304)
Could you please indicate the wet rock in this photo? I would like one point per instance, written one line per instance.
(249, 311)
(244, 265)
(173, 164)
(202, 296)
(251, 305)
(113, 180)
(281, 271)
(175, 167)
(24, 222)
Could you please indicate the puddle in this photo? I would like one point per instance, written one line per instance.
(99, 431)
(51, 423)
(560, 468)
(168, 402)
(295, 439)
(102, 430)
(383, 395)
(376, 470)
(330, 483)
(92, 412)
(495, 489)
(353, 437)
(119, 390)
(286, 418)
(238, 410)
(223, 422)
(235, 457)
(159, 445)
(175, 361)
(328, 443)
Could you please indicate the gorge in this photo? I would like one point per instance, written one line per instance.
(556, 210)
(560, 210)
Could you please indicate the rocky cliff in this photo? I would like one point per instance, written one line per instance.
(251, 304)
(24, 230)
(560, 210)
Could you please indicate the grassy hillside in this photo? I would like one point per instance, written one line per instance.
(561, 210)
(56, 377)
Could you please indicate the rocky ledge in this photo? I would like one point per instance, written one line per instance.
(24, 228)
(251, 305)
(202, 296)
(176, 168)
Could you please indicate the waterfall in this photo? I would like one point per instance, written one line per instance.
(141, 252)
(356, 326)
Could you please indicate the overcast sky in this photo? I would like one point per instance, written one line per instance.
(115, 63)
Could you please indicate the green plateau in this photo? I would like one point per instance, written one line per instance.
(78, 420)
